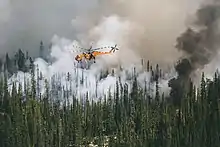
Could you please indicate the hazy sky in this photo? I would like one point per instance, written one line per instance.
(24, 23)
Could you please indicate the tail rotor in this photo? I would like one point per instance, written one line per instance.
(114, 48)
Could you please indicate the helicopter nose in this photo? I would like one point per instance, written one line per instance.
(77, 57)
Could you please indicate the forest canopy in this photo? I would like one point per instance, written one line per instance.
(125, 119)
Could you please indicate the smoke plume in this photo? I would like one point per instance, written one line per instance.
(80, 82)
(154, 25)
(200, 45)
(142, 29)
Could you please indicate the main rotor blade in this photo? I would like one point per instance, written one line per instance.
(91, 49)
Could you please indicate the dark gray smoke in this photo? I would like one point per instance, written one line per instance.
(199, 47)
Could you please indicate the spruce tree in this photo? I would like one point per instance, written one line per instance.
(21, 61)
(42, 51)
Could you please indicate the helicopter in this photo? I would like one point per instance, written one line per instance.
(92, 53)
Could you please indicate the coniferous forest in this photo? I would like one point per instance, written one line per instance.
(123, 120)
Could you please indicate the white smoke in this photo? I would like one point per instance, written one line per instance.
(112, 30)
